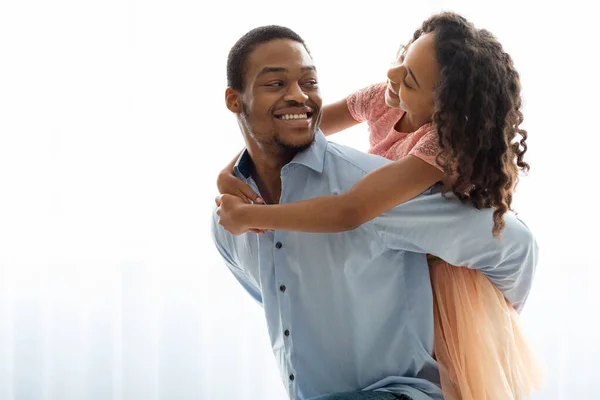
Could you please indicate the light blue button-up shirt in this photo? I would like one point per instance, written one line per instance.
(353, 311)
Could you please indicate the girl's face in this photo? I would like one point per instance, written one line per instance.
(413, 78)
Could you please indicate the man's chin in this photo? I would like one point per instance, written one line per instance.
(298, 142)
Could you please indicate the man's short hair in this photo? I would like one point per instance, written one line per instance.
(246, 44)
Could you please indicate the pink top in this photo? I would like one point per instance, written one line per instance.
(369, 105)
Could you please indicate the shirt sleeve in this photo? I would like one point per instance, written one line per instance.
(462, 235)
(427, 149)
(224, 242)
(360, 104)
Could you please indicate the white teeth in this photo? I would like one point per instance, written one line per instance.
(294, 116)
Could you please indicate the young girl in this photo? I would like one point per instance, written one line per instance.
(449, 111)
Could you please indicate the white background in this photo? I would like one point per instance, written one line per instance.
(113, 128)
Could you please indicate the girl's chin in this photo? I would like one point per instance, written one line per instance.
(394, 103)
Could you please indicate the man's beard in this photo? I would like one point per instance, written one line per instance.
(292, 148)
(285, 148)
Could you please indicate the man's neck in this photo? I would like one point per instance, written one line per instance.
(266, 172)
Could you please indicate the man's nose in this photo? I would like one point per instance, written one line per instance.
(295, 93)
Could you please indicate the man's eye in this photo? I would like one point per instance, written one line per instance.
(275, 84)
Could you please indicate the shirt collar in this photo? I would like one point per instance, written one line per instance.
(313, 158)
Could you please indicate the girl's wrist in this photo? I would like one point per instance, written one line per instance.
(243, 215)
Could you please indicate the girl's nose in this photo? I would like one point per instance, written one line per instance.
(396, 73)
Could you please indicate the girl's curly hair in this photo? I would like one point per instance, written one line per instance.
(477, 115)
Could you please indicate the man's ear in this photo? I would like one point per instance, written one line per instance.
(233, 100)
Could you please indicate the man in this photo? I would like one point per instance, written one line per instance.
(350, 315)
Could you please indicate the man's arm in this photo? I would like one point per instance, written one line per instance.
(462, 235)
(223, 242)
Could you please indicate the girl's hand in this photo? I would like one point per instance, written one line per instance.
(228, 210)
(228, 183)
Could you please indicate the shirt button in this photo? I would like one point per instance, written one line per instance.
(282, 288)
(291, 377)
(287, 332)
(278, 245)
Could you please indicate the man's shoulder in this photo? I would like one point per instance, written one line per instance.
(233, 247)
(353, 158)
(224, 240)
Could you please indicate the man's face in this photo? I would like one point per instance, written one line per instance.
(281, 103)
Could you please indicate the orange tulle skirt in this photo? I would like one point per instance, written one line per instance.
(478, 340)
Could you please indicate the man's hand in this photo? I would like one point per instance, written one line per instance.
(228, 211)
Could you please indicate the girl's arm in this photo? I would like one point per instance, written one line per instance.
(228, 183)
(376, 193)
(336, 117)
